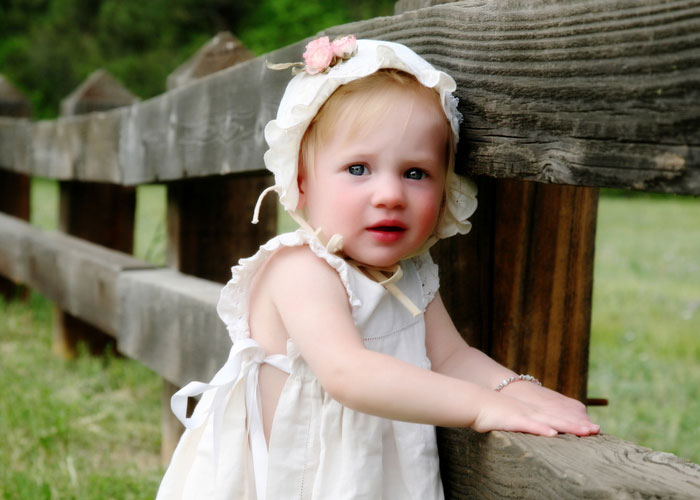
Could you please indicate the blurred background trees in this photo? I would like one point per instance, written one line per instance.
(48, 47)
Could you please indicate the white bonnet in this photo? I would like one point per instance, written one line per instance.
(306, 93)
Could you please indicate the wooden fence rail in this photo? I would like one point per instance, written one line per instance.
(167, 320)
(585, 93)
(594, 92)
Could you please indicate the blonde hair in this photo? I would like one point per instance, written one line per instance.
(359, 102)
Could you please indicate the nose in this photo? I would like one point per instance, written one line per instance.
(389, 193)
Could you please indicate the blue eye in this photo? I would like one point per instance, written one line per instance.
(357, 169)
(415, 174)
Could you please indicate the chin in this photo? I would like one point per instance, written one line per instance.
(376, 260)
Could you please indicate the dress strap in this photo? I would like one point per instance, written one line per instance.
(214, 407)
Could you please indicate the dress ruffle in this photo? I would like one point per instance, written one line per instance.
(318, 448)
(233, 305)
(428, 274)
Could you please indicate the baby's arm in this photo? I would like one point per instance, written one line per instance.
(451, 356)
(314, 309)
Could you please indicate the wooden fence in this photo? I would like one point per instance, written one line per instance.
(559, 98)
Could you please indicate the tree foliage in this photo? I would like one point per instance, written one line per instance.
(48, 47)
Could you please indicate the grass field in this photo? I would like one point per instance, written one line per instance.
(645, 348)
(82, 429)
(89, 428)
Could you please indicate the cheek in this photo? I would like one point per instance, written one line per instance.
(333, 204)
(345, 204)
(428, 205)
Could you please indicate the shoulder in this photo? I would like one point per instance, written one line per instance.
(298, 261)
(294, 273)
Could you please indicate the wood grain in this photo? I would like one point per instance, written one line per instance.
(502, 465)
(586, 92)
(98, 212)
(209, 226)
(221, 52)
(160, 317)
(519, 286)
(78, 276)
(542, 278)
(14, 186)
(168, 321)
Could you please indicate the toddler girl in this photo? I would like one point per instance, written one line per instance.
(343, 355)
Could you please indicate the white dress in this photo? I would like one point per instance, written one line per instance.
(319, 449)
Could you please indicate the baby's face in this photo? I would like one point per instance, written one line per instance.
(381, 187)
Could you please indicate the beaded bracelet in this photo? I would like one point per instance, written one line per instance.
(517, 378)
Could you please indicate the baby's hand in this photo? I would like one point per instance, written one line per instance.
(573, 414)
(534, 410)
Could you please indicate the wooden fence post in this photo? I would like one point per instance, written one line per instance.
(14, 186)
(521, 283)
(209, 225)
(98, 212)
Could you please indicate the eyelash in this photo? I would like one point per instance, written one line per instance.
(352, 171)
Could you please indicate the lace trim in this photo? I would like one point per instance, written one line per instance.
(233, 302)
(428, 274)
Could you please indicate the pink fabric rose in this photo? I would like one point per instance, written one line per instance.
(318, 55)
(344, 47)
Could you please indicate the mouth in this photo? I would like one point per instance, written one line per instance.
(388, 226)
(387, 230)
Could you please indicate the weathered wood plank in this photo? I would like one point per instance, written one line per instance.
(520, 285)
(99, 212)
(79, 276)
(163, 318)
(502, 465)
(99, 92)
(602, 93)
(14, 186)
(170, 426)
(587, 92)
(169, 323)
(221, 52)
(209, 218)
(15, 235)
(542, 281)
(15, 144)
(209, 226)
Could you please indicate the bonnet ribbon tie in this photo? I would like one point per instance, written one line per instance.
(335, 245)
(389, 283)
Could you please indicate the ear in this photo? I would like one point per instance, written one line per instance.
(301, 185)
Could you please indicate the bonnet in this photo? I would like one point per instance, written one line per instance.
(323, 72)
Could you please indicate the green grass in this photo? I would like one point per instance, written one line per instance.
(81, 429)
(90, 428)
(645, 348)
(149, 227)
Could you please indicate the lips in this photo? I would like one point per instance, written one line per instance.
(388, 230)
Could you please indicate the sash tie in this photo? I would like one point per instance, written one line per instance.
(223, 382)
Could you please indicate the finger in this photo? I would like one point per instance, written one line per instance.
(533, 426)
(566, 425)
